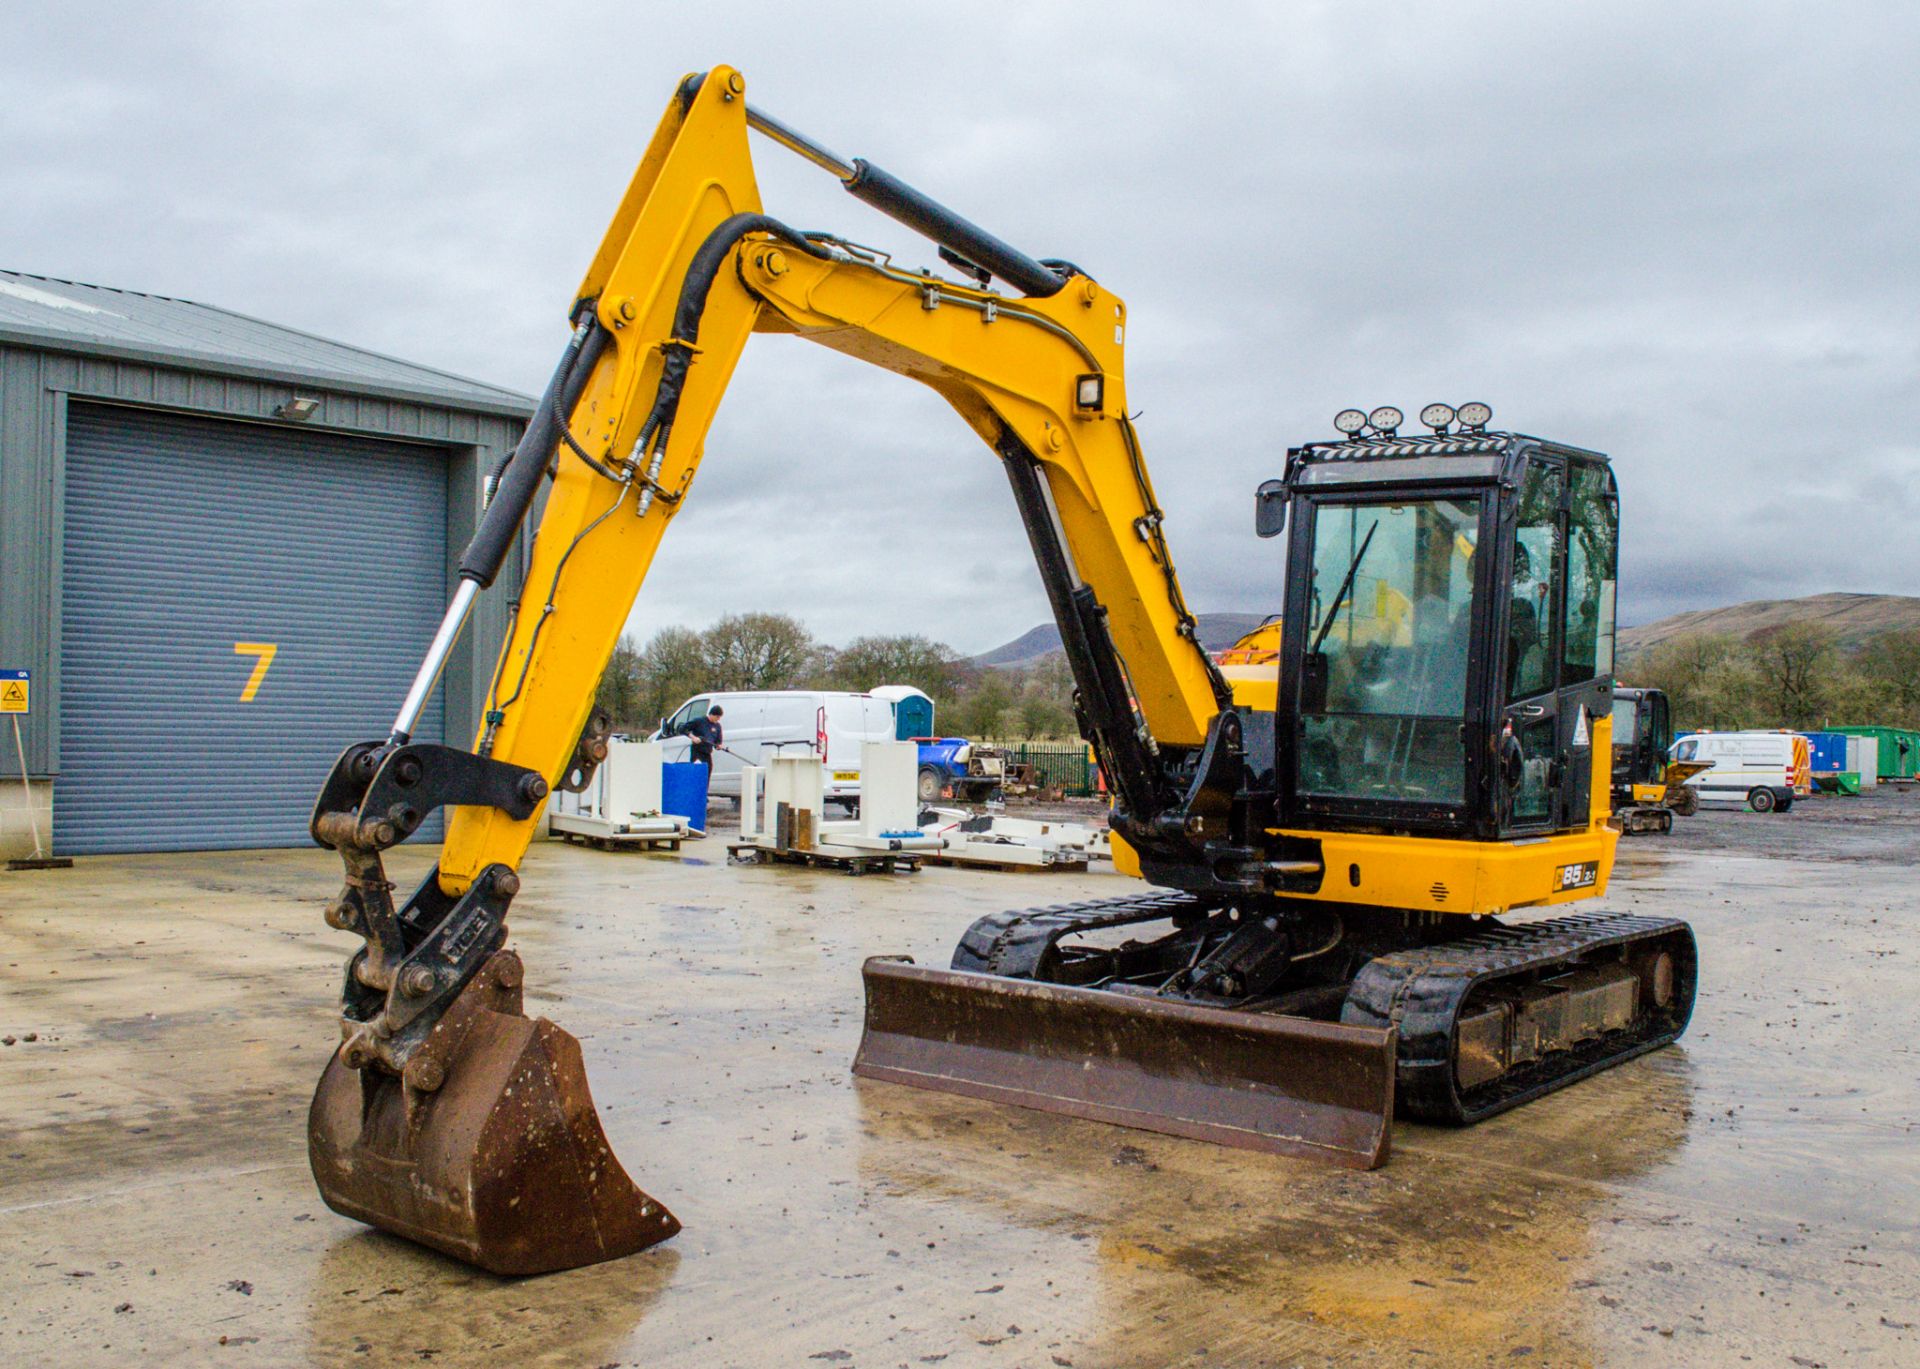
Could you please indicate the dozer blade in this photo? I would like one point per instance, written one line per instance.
(1262, 1082)
(503, 1164)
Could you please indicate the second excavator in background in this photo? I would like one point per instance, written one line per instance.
(1330, 842)
(1650, 789)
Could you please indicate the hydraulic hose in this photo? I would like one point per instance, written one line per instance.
(519, 480)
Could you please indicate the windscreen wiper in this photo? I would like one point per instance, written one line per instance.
(1346, 585)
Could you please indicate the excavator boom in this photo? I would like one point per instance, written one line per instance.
(413, 1127)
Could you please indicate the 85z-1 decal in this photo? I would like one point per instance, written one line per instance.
(1582, 876)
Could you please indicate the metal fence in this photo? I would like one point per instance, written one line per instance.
(1064, 764)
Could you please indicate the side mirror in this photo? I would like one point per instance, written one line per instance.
(1270, 508)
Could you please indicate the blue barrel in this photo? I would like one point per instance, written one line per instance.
(683, 792)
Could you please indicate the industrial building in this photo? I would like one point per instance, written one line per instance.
(224, 545)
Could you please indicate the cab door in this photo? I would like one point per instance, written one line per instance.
(1529, 741)
(1586, 629)
(1558, 667)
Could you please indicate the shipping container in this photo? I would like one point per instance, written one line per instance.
(1899, 749)
(1829, 752)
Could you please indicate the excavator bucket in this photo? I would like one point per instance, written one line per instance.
(501, 1162)
(1287, 1085)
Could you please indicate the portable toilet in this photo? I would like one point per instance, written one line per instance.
(912, 711)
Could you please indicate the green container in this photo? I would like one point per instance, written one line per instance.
(1899, 749)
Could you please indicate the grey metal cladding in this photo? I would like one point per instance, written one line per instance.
(65, 315)
(185, 536)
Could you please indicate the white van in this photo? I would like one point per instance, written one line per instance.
(1755, 768)
(760, 726)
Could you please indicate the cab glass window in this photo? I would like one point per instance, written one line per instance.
(1536, 561)
(1385, 678)
(1625, 715)
(1591, 534)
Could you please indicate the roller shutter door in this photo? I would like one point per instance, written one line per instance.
(192, 545)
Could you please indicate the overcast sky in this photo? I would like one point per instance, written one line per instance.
(1681, 234)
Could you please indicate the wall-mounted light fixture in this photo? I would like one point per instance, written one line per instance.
(298, 409)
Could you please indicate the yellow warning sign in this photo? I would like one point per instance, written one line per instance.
(14, 687)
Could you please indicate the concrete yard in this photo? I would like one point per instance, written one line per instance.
(1751, 1195)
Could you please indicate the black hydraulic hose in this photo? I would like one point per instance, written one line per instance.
(515, 480)
(702, 271)
(519, 478)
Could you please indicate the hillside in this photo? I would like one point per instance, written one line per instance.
(1852, 617)
(1217, 631)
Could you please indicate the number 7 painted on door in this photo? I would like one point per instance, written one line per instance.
(265, 652)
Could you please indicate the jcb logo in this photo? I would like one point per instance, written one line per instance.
(1582, 876)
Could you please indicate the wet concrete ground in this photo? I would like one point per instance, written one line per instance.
(1747, 1196)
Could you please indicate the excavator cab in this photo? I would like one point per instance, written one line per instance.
(1455, 596)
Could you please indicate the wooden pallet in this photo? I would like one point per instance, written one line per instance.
(1067, 867)
(888, 863)
(623, 843)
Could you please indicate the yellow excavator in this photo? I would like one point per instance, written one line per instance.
(1328, 842)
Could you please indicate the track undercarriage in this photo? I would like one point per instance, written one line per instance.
(1470, 1016)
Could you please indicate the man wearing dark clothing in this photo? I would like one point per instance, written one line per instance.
(707, 734)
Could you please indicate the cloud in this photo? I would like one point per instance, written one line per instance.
(1682, 235)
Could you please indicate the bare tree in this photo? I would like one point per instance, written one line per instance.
(1890, 664)
(758, 651)
(619, 691)
(1703, 675)
(918, 661)
(1795, 666)
(671, 669)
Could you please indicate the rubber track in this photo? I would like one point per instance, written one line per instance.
(1421, 992)
(1017, 944)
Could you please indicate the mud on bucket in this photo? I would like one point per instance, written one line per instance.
(488, 1149)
